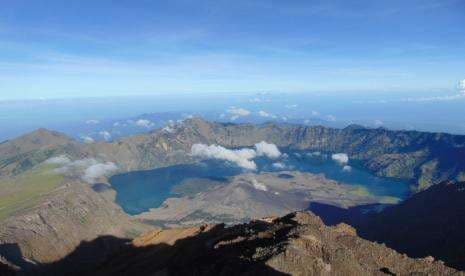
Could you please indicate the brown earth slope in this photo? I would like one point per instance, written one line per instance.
(296, 244)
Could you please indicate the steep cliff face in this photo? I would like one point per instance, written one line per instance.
(430, 222)
(297, 244)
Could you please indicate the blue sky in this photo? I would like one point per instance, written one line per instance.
(59, 49)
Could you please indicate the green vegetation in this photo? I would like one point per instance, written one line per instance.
(363, 192)
(389, 200)
(360, 191)
(25, 190)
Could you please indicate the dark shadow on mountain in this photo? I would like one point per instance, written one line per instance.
(101, 187)
(6, 270)
(12, 253)
(333, 215)
(430, 223)
(217, 251)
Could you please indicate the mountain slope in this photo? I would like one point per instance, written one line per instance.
(297, 244)
(430, 222)
(24, 152)
(44, 213)
(54, 226)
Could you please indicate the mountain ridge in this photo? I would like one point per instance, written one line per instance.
(423, 158)
(295, 244)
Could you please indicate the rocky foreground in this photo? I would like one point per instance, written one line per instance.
(297, 244)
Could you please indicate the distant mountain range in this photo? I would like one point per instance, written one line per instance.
(420, 157)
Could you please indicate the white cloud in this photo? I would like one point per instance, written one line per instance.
(144, 123)
(237, 112)
(58, 160)
(341, 158)
(307, 121)
(266, 114)
(347, 168)
(269, 150)
(462, 86)
(241, 158)
(88, 169)
(315, 113)
(279, 165)
(87, 139)
(96, 171)
(105, 134)
(458, 96)
(259, 186)
(378, 123)
(92, 122)
(315, 153)
(168, 129)
(290, 106)
(330, 118)
(436, 98)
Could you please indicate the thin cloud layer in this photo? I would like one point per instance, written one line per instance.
(88, 169)
(347, 168)
(58, 160)
(96, 171)
(87, 139)
(106, 135)
(237, 112)
(458, 96)
(92, 122)
(266, 114)
(144, 123)
(259, 186)
(462, 86)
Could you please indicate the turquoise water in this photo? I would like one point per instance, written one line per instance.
(139, 191)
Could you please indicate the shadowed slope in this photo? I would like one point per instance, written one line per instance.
(296, 244)
(429, 223)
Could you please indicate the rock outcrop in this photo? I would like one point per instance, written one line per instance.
(429, 223)
(296, 244)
